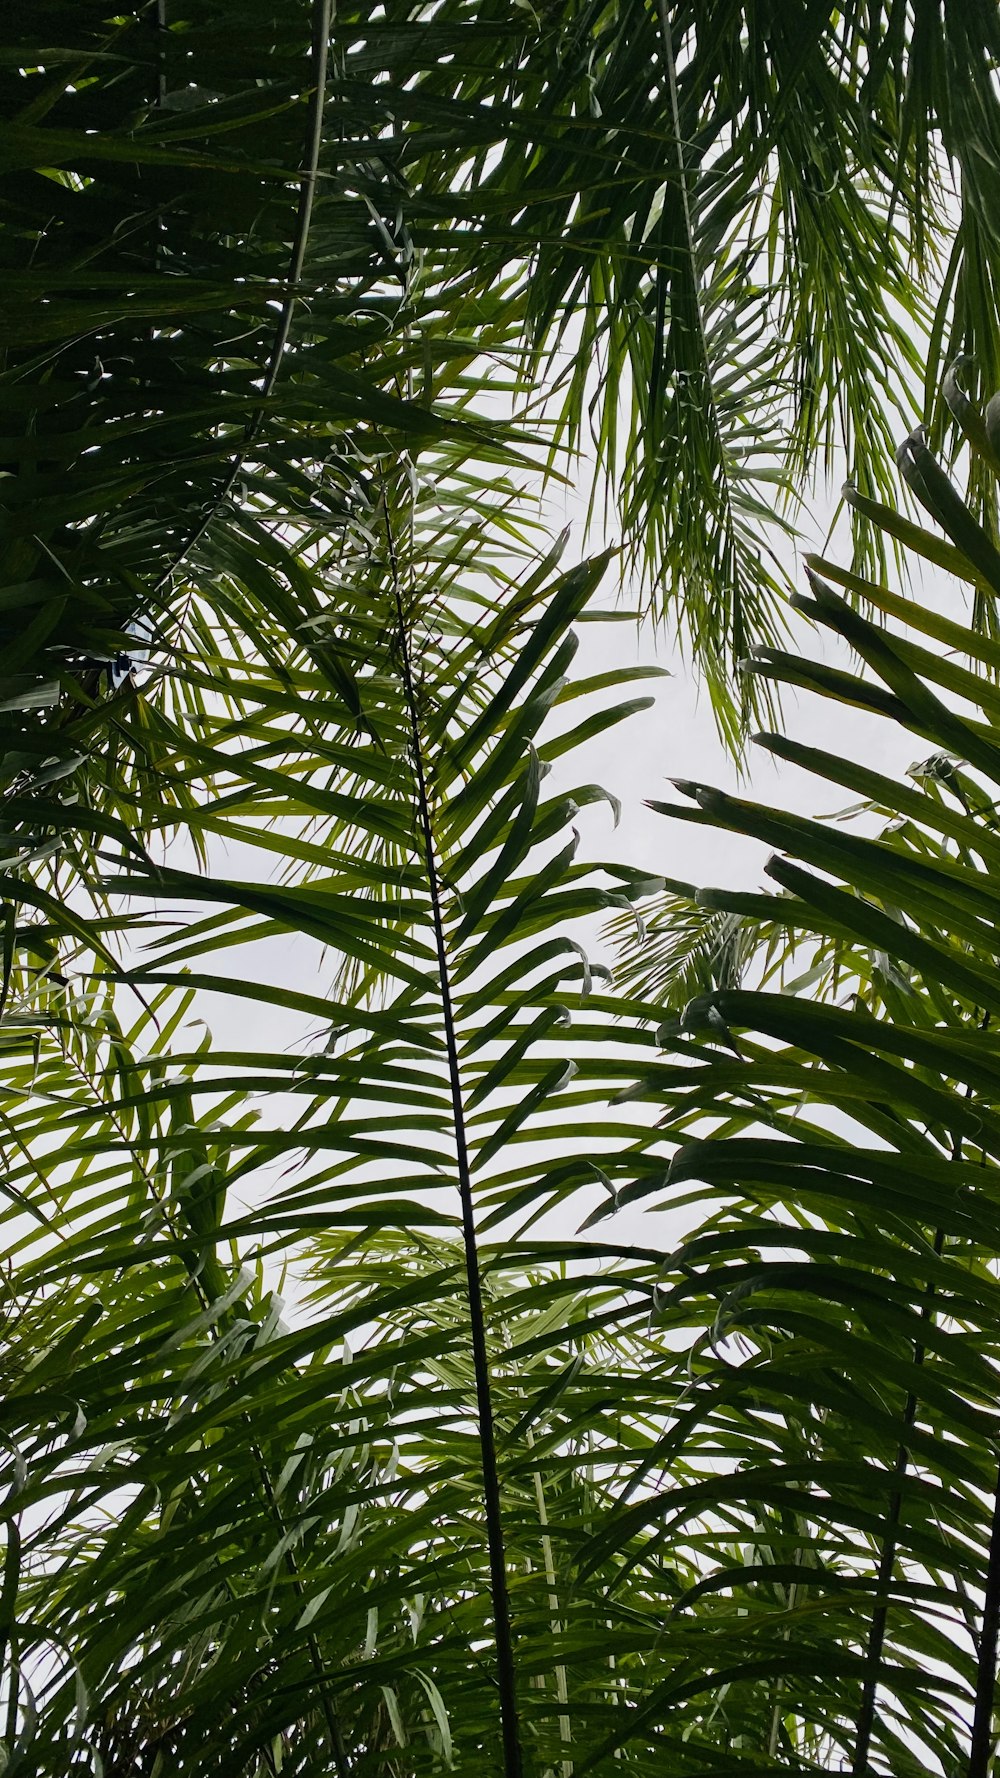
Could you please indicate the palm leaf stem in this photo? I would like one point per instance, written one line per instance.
(309, 173)
(982, 1722)
(670, 67)
(8, 1594)
(13, 1693)
(708, 391)
(338, 1750)
(887, 1561)
(503, 1637)
(776, 1713)
(876, 1639)
(551, 1581)
(341, 1760)
(981, 1744)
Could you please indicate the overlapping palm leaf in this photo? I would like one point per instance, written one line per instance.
(241, 243)
(266, 271)
(840, 1131)
(229, 1528)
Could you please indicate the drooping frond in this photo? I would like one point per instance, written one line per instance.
(842, 1413)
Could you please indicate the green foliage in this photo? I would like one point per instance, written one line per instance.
(327, 1447)
(244, 244)
(746, 1465)
(232, 1550)
(840, 1133)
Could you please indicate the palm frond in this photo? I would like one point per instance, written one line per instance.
(844, 1151)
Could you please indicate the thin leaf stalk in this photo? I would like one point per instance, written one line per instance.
(502, 1629)
(876, 1639)
(551, 1581)
(776, 1712)
(10, 1669)
(708, 394)
(981, 1743)
(887, 1560)
(342, 1764)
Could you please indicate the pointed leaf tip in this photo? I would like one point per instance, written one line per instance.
(913, 442)
(799, 602)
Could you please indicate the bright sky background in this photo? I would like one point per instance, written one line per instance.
(635, 761)
(678, 738)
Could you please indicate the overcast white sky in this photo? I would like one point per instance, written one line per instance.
(678, 738)
(635, 760)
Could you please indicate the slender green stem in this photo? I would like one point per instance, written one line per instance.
(981, 1745)
(503, 1636)
(776, 1717)
(876, 1639)
(887, 1562)
(8, 1623)
(551, 1581)
(338, 1749)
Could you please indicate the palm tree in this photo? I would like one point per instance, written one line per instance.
(245, 242)
(479, 1491)
(841, 1128)
(740, 1503)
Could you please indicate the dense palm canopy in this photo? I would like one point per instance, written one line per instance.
(344, 1429)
